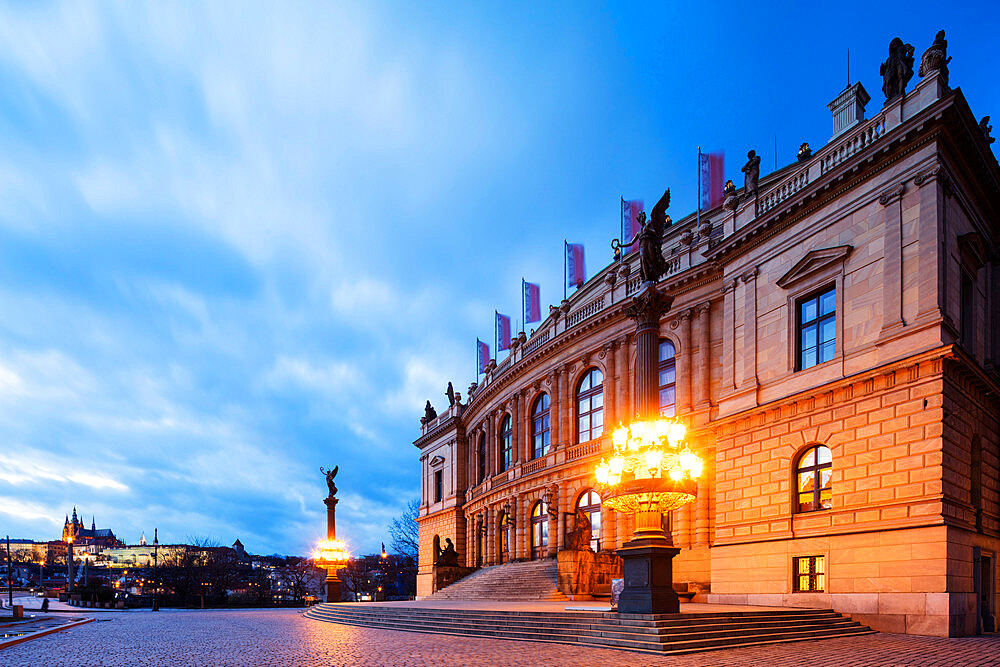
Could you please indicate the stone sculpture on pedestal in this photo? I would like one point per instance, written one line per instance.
(897, 70)
(936, 58)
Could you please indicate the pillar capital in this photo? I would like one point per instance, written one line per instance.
(648, 306)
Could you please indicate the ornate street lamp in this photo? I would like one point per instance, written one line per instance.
(331, 554)
(652, 470)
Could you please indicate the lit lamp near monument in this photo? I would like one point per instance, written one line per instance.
(331, 554)
(652, 470)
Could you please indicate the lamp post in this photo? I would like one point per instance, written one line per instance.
(652, 471)
(330, 554)
(69, 565)
(156, 579)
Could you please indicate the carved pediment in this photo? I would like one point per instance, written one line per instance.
(973, 250)
(437, 460)
(814, 262)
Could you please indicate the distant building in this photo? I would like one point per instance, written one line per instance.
(73, 530)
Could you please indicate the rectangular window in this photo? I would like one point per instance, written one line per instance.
(817, 328)
(438, 485)
(809, 574)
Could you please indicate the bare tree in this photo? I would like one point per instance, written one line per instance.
(403, 533)
(301, 578)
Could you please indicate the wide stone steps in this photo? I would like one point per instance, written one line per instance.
(530, 580)
(667, 633)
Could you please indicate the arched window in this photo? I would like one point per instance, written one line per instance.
(504, 537)
(539, 530)
(590, 406)
(590, 503)
(668, 378)
(813, 472)
(540, 427)
(506, 449)
(481, 457)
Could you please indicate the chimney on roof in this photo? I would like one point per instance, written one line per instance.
(848, 108)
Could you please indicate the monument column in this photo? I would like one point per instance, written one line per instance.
(332, 582)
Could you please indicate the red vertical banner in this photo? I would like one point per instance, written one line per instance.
(483, 351)
(576, 272)
(532, 303)
(711, 179)
(503, 332)
(631, 208)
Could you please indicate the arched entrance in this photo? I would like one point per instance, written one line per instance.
(539, 531)
(590, 503)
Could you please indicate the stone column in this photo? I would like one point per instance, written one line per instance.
(702, 518)
(567, 431)
(932, 232)
(702, 395)
(892, 263)
(729, 335)
(490, 535)
(685, 362)
(520, 435)
(609, 532)
(552, 505)
(610, 382)
(515, 428)
(750, 328)
(555, 409)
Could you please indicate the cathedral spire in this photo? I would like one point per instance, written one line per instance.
(93, 522)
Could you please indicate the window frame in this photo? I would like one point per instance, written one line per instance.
(817, 577)
(481, 454)
(818, 321)
(588, 395)
(438, 486)
(816, 469)
(662, 366)
(595, 536)
(537, 417)
(539, 519)
(505, 436)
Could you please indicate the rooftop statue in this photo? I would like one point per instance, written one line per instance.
(751, 174)
(330, 474)
(450, 393)
(430, 413)
(985, 126)
(936, 58)
(652, 266)
(897, 70)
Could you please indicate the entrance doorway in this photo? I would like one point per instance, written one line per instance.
(986, 593)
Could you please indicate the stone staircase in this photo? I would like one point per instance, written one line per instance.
(530, 580)
(661, 633)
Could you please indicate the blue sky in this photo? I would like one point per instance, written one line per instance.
(241, 241)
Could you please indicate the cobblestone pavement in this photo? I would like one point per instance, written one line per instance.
(284, 637)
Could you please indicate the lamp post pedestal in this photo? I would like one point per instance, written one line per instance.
(647, 566)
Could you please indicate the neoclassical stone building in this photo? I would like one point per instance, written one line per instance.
(833, 347)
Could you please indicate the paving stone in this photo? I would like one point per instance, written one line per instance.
(285, 637)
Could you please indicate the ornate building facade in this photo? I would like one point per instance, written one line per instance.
(833, 348)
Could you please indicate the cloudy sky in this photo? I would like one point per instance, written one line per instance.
(240, 241)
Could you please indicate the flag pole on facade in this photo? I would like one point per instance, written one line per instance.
(524, 320)
(621, 218)
(477, 359)
(496, 334)
(699, 188)
(565, 274)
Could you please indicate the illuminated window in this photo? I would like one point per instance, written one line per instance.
(590, 503)
(506, 450)
(504, 537)
(809, 574)
(817, 328)
(590, 406)
(668, 378)
(813, 472)
(481, 455)
(540, 427)
(539, 530)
